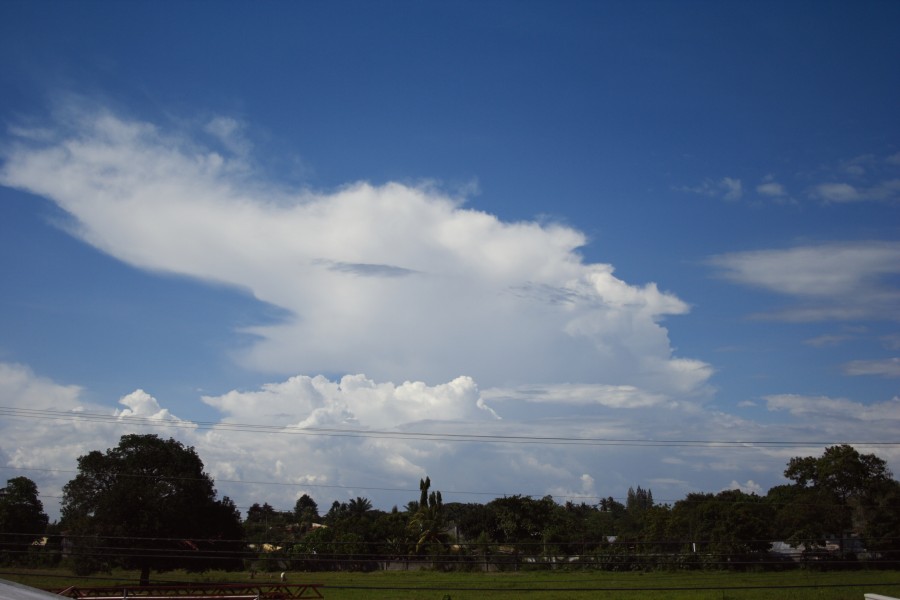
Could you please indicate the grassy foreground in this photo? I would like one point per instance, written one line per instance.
(424, 585)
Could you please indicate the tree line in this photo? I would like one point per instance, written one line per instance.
(147, 504)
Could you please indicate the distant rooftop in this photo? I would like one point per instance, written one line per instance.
(17, 591)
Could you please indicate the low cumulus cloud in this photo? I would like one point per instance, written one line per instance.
(46, 425)
(395, 281)
(141, 405)
(316, 401)
(273, 444)
(22, 389)
(748, 487)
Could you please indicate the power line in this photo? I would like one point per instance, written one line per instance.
(700, 497)
(302, 486)
(45, 414)
(441, 437)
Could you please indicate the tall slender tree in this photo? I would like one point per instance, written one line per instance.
(428, 526)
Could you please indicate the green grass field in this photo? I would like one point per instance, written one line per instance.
(425, 585)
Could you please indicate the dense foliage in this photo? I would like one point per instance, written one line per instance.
(147, 503)
(841, 509)
(22, 519)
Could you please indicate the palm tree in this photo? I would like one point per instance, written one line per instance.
(427, 525)
(359, 506)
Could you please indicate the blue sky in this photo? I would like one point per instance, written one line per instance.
(594, 221)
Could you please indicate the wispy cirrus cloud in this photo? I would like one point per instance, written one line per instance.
(826, 340)
(891, 341)
(888, 367)
(839, 281)
(771, 189)
(841, 192)
(774, 191)
(621, 396)
(865, 178)
(825, 407)
(727, 188)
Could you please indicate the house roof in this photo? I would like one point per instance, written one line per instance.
(16, 591)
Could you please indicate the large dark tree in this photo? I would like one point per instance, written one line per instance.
(836, 494)
(22, 517)
(843, 478)
(148, 504)
(842, 471)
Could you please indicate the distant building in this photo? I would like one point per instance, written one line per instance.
(834, 547)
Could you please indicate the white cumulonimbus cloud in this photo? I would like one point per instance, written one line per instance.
(480, 319)
(400, 282)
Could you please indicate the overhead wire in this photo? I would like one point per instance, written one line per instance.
(593, 550)
(45, 414)
(658, 503)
